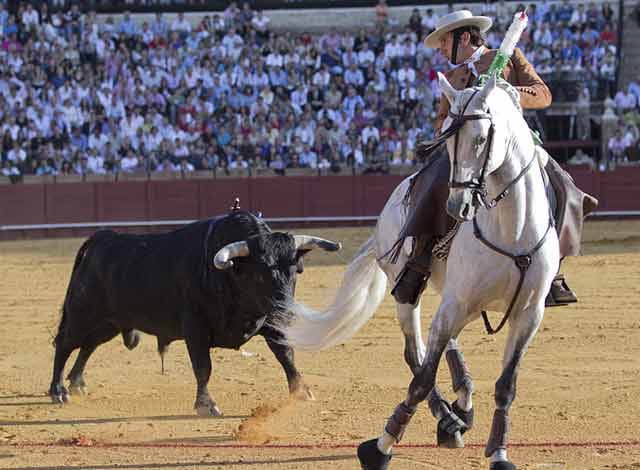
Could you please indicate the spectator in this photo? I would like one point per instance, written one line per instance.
(429, 21)
(617, 146)
(308, 158)
(625, 101)
(415, 22)
(129, 163)
(30, 18)
(159, 27)
(261, 24)
(581, 158)
(382, 13)
(10, 169)
(583, 115)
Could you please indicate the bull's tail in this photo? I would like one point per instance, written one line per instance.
(361, 292)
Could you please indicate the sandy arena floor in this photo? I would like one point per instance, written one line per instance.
(577, 408)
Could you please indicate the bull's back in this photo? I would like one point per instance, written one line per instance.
(138, 281)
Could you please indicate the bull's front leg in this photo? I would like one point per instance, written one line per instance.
(285, 356)
(196, 335)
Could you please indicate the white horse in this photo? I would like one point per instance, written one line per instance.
(503, 258)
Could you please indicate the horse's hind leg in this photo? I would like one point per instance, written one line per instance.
(104, 333)
(521, 332)
(414, 348)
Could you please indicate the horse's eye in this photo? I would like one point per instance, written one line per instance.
(479, 141)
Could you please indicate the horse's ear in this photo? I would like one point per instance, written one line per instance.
(488, 87)
(446, 88)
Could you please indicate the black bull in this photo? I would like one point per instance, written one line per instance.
(213, 283)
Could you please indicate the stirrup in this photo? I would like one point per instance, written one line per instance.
(560, 294)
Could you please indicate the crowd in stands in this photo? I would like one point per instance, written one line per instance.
(79, 96)
(572, 46)
(623, 145)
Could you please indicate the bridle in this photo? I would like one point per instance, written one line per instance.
(478, 186)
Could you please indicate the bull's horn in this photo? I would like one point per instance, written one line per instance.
(307, 242)
(224, 256)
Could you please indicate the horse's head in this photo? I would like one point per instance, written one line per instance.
(477, 121)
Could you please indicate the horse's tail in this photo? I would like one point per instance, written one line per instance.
(361, 292)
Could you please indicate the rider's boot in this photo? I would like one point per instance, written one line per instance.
(412, 280)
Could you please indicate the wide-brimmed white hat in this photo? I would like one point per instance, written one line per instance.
(456, 20)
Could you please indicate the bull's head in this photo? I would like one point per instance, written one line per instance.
(266, 265)
(303, 244)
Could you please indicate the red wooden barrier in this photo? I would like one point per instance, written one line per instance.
(300, 196)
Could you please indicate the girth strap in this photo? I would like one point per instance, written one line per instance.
(522, 263)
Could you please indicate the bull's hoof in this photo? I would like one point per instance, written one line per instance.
(370, 456)
(77, 389)
(59, 396)
(208, 409)
(502, 465)
(303, 393)
(131, 339)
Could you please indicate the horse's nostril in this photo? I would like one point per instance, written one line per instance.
(465, 210)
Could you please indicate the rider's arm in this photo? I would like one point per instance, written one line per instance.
(534, 93)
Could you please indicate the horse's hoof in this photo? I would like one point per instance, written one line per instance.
(450, 430)
(75, 389)
(208, 410)
(465, 416)
(370, 456)
(502, 465)
(450, 441)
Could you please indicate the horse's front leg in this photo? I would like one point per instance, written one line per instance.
(376, 453)
(462, 384)
(453, 420)
(456, 418)
(521, 332)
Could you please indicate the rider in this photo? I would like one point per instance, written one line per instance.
(459, 37)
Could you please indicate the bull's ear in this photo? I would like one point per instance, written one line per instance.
(300, 254)
(299, 264)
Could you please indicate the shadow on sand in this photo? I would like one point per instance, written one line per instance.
(209, 464)
(124, 419)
